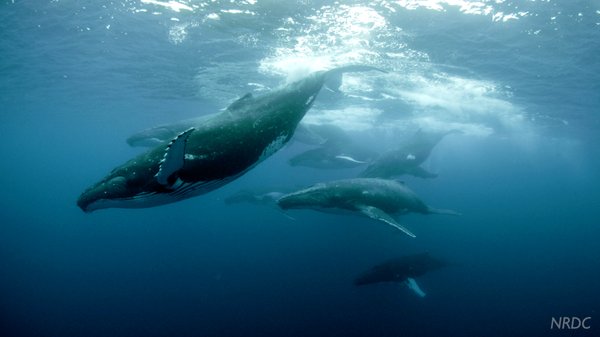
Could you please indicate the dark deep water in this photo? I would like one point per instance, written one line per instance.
(521, 81)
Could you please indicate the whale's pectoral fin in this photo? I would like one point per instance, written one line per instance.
(174, 157)
(422, 173)
(378, 214)
(349, 159)
(411, 283)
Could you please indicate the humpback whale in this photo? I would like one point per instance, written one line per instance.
(212, 153)
(157, 135)
(403, 269)
(408, 158)
(253, 197)
(373, 197)
(336, 151)
(332, 156)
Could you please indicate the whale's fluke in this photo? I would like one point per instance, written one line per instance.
(333, 79)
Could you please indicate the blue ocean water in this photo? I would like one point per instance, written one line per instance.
(521, 80)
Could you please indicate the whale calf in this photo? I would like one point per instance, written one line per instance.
(332, 156)
(213, 152)
(407, 159)
(157, 135)
(403, 269)
(254, 197)
(376, 198)
(336, 149)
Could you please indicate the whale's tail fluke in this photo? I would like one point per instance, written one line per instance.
(333, 77)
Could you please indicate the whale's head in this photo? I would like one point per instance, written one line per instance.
(109, 192)
(128, 186)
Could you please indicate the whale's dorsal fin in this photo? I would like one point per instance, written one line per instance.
(174, 157)
(378, 214)
(238, 103)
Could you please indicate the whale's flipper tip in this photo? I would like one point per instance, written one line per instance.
(334, 76)
(422, 173)
(174, 157)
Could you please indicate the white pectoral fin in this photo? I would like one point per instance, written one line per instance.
(378, 214)
(411, 283)
(287, 215)
(349, 159)
(174, 157)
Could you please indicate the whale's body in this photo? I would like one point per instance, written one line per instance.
(373, 197)
(403, 270)
(336, 149)
(407, 159)
(211, 153)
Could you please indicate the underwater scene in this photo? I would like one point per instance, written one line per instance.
(300, 168)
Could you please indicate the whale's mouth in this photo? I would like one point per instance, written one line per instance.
(83, 205)
(135, 202)
(142, 200)
(89, 207)
(108, 189)
(114, 193)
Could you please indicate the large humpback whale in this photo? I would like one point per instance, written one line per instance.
(373, 197)
(403, 269)
(407, 159)
(213, 152)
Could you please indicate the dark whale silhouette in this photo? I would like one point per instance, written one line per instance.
(402, 269)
